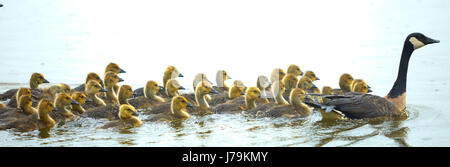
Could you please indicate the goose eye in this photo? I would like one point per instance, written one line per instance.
(206, 86)
(255, 91)
(128, 109)
(67, 98)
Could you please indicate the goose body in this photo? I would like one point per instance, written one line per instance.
(366, 106)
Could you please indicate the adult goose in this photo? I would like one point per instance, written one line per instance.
(366, 106)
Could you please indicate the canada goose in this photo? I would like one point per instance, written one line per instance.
(111, 79)
(366, 106)
(63, 107)
(37, 79)
(311, 75)
(150, 97)
(80, 98)
(277, 74)
(90, 76)
(239, 104)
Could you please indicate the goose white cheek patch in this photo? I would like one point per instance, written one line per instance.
(416, 43)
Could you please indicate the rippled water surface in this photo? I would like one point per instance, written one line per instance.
(65, 40)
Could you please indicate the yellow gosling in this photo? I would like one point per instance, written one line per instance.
(294, 70)
(237, 90)
(125, 92)
(172, 88)
(36, 79)
(91, 90)
(80, 98)
(170, 73)
(277, 75)
(20, 92)
(221, 77)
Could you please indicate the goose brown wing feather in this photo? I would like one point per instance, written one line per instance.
(363, 106)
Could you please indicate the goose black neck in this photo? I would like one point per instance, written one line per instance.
(400, 84)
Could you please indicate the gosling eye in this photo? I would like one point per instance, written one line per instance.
(183, 101)
(255, 91)
(206, 86)
(67, 98)
(128, 109)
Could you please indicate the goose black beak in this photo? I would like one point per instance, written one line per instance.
(45, 81)
(74, 102)
(213, 91)
(120, 79)
(180, 75)
(122, 71)
(301, 73)
(189, 105)
(161, 88)
(181, 88)
(102, 89)
(317, 78)
(134, 113)
(431, 41)
(369, 90)
(368, 86)
(228, 77)
(313, 86)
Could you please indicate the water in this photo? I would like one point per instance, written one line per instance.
(65, 40)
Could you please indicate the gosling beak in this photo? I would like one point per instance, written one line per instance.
(161, 88)
(307, 97)
(1, 5)
(313, 86)
(301, 73)
(368, 86)
(369, 90)
(213, 91)
(120, 79)
(73, 102)
(122, 71)
(101, 82)
(189, 105)
(431, 41)
(88, 100)
(210, 82)
(228, 77)
(134, 113)
(180, 75)
(181, 88)
(45, 81)
(317, 78)
(243, 93)
(260, 95)
(102, 89)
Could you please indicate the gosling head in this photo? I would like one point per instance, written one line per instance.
(152, 86)
(262, 82)
(172, 87)
(294, 69)
(45, 106)
(252, 93)
(127, 111)
(93, 87)
(93, 76)
(200, 77)
(345, 82)
(311, 75)
(36, 79)
(64, 99)
(25, 101)
(180, 102)
(222, 76)
(277, 75)
(326, 90)
(113, 67)
(63, 88)
(173, 72)
(204, 88)
(361, 87)
(417, 40)
(297, 95)
(23, 91)
(111, 79)
(290, 81)
(125, 92)
(305, 83)
(237, 89)
(79, 97)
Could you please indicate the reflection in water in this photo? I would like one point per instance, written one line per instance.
(44, 133)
